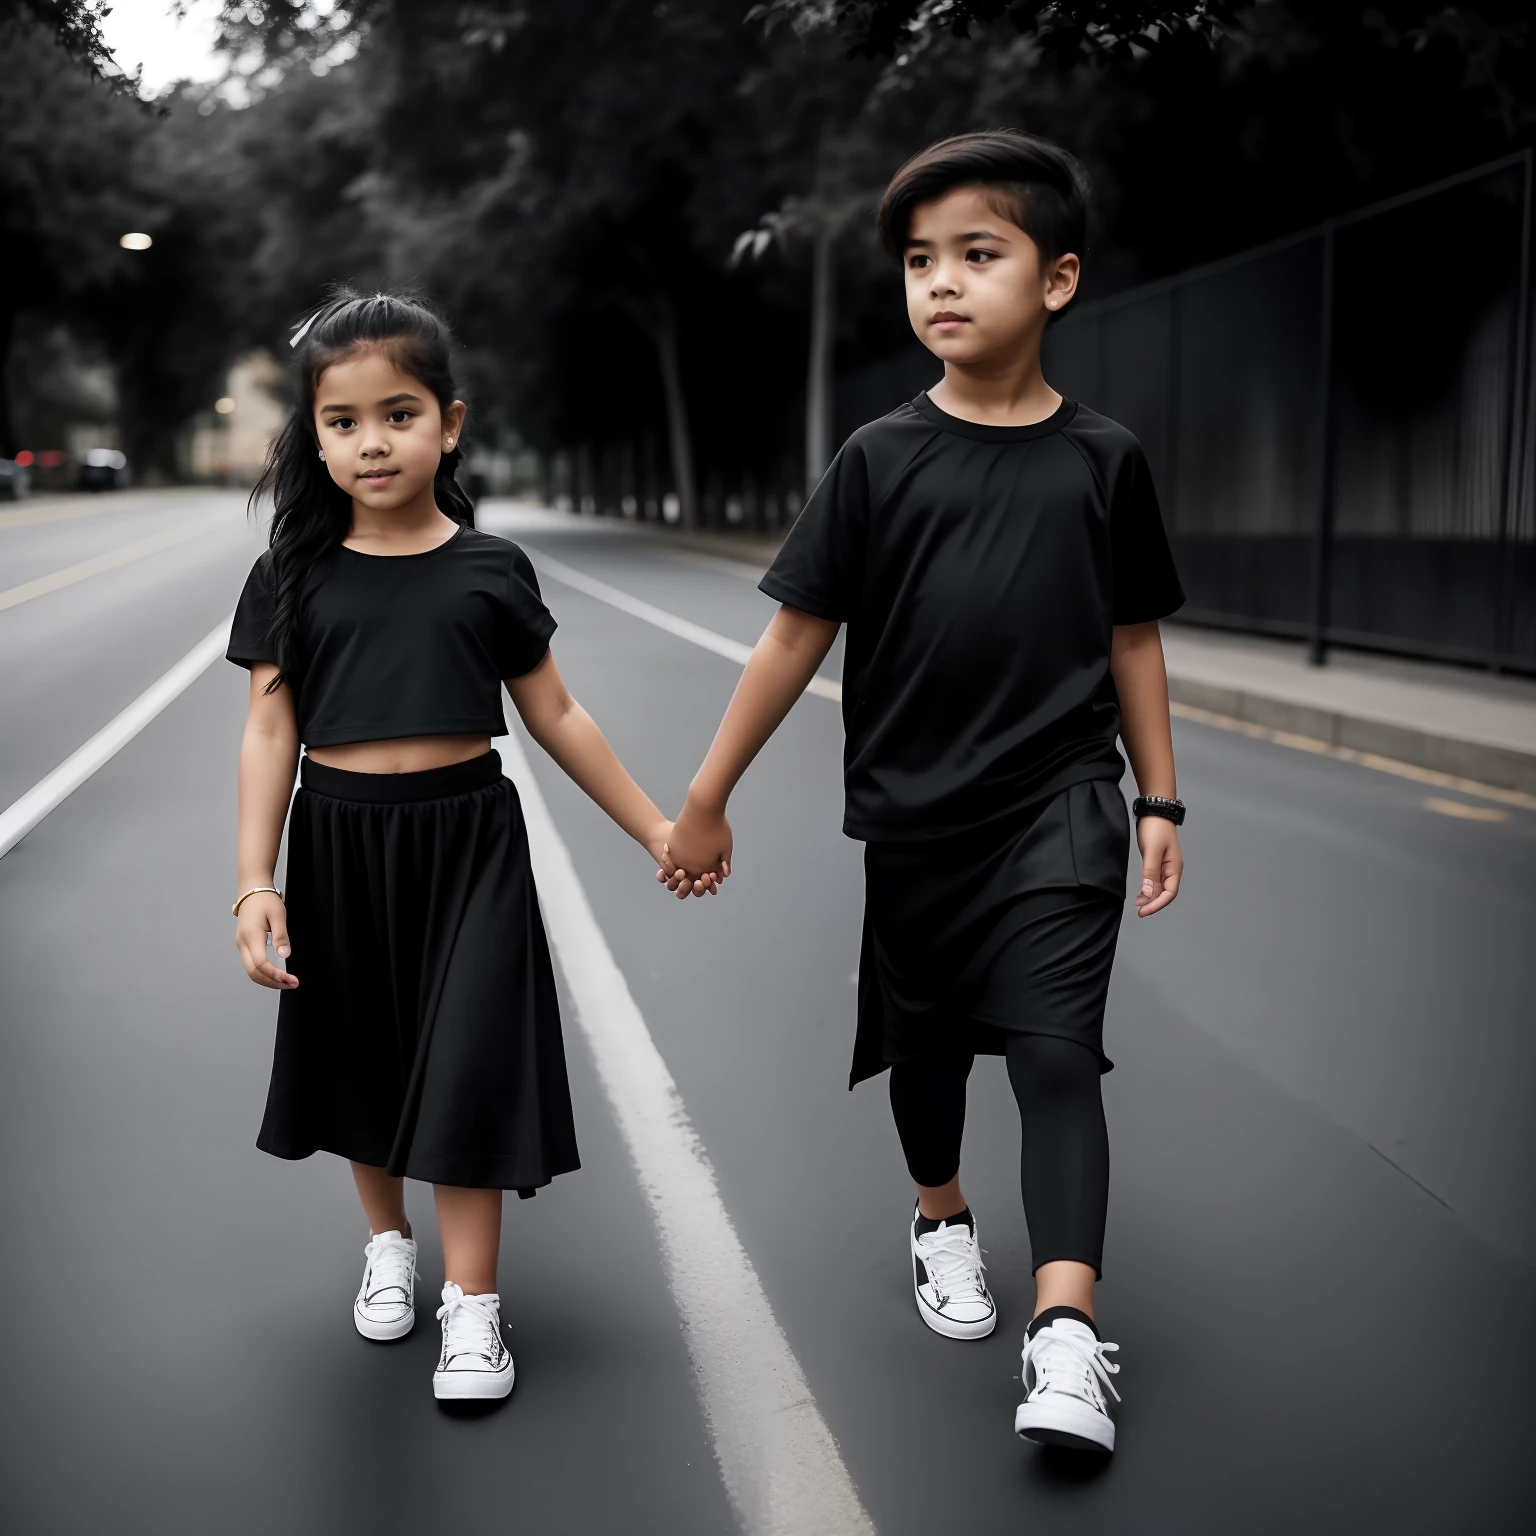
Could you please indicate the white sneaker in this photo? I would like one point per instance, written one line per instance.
(386, 1303)
(474, 1361)
(1064, 1367)
(952, 1297)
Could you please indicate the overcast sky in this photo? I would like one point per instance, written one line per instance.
(143, 32)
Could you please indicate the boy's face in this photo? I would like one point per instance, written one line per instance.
(977, 291)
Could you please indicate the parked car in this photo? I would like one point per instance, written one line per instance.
(15, 480)
(101, 469)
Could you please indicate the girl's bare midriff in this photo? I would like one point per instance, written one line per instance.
(408, 754)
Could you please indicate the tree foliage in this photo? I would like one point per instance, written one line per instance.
(1066, 30)
(75, 26)
(572, 181)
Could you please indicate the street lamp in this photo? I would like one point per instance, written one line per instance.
(135, 242)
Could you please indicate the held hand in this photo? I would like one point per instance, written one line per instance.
(699, 852)
(668, 874)
(1162, 864)
(683, 884)
(261, 915)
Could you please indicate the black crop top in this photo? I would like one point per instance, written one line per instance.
(404, 645)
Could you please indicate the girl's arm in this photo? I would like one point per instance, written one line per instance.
(269, 757)
(1136, 663)
(782, 663)
(570, 735)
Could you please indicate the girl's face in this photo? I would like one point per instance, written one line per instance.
(976, 287)
(382, 432)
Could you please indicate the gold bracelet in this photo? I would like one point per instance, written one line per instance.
(255, 890)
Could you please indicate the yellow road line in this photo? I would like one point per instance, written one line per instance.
(1375, 760)
(34, 515)
(124, 554)
(1464, 812)
(731, 567)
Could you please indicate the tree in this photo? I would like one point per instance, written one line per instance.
(839, 194)
(572, 182)
(75, 26)
(66, 140)
(554, 156)
(1067, 28)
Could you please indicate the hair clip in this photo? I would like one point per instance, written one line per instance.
(303, 330)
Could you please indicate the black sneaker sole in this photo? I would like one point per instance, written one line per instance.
(1066, 1441)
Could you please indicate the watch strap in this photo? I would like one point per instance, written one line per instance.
(1159, 805)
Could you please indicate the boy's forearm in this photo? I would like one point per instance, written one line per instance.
(581, 750)
(782, 663)
(268, 763)
(1141, 681)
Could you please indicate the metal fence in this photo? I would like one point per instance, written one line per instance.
(1339, 423)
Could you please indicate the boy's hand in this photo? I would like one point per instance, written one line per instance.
(699, 852)
(668, 873)
(260, 915)
(1162, 863)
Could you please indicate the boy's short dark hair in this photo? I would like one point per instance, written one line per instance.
(1028, 180)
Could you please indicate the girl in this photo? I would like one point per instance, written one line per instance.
(418, 1033)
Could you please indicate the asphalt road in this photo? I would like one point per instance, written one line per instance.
(1323, 1118)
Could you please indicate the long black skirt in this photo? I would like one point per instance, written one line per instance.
(424, 1035)
(1005, 928)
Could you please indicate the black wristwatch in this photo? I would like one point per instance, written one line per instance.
(1158, 805)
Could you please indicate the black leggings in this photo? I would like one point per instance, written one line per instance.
(1064, 1164)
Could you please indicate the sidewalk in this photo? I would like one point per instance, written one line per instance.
(1450, 719)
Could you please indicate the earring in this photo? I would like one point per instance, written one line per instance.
(450, 442)
(322, 455)
(1051, 302)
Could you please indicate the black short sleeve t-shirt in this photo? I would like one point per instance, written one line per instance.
(404, 645)
(980, 571)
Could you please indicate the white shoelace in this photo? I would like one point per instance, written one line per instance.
(953, 1261)
(1071, 1362)
(392, 1267)
(472, 1327)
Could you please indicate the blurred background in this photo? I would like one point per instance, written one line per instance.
(1308, 292)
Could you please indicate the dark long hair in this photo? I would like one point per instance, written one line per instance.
(311, 514)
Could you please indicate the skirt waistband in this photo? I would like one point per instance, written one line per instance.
(401, 788)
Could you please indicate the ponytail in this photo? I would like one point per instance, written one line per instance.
(452, 499)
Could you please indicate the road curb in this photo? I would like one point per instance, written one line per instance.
(1502, 767)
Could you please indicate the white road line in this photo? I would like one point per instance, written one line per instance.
(22, 815)
(779, 1462)
(684, 629)
(124, 554)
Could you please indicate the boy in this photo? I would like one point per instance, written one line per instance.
(999, 558)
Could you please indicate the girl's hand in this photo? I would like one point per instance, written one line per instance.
(1162, 863)
(699, 852)
(261, 915)
(656, 841)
